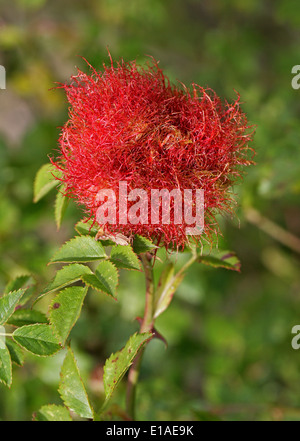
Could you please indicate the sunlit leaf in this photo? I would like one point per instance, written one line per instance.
(51, 412)
(61, 203)
(80, 249)
(65, 310)
(72, 390)
(118, 363)
(38, 339)
(66, 276)
(8, 303)
(167, 285)
(86, 229)
(45, 181)
(5, 365)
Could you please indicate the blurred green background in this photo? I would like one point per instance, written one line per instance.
(229, 334)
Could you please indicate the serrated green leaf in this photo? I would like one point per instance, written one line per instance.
(142, 245)
(26, 282)
(23, 317)
(65, 276)
(61, 203)
(5, 365)
(8, 303)
(65, 310)
(72, 390)
(45, 181)
(222, 259)
(79, 249)
(118, 364)
(51, 412)
(124, 257)
(16, 353)
(37, 339)
(167, 285)
(92, 281)
(86, 228)
(105, 278)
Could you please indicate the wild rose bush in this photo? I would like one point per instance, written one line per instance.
(127, 124)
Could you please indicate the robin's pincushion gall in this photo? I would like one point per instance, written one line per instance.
(128, 123)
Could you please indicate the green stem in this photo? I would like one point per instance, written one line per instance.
(146, 326)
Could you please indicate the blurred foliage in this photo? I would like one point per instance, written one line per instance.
(229, 334)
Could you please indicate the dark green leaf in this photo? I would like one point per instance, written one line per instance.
(124, 257)
(16, 353)
(105, 278)
(22, 317)
(142, 245)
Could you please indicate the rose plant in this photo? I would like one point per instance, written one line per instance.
(129, 128)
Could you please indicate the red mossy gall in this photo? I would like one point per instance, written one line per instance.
(128, 123)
